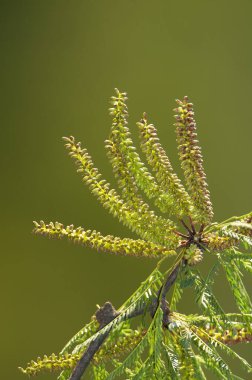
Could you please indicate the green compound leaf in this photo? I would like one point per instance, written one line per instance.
(234, 278)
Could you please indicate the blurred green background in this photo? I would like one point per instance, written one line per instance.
(60, 61)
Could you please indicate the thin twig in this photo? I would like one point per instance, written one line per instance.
(88, 356)
(164, 290)
(180, 234)
(170, 280)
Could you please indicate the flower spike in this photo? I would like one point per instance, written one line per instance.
(191, 161)
(174, 197)
(109, 243)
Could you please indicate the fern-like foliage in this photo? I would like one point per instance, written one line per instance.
(166, 344)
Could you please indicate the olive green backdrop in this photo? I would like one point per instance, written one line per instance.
(60, 61)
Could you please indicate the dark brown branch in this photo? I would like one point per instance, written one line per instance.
(168, 284)
(170, 280)
(94, 346)
(104, 316)
(88, 356)
(107, 313)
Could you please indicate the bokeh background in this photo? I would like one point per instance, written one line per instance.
(60, 61)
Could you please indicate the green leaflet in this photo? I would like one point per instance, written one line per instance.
(242, 260)
(216, 343)
(178, 289)
(64, 375)
(148, 339)
(100, 372)
(236, 222)
(234, 278)
(77, 339)
(142, 371)
(246, 241)
(183, 361)
(245, 264)
(190, 366)
(176, 295)
(212, 359)
(171, 360)
(204, 295)
(207, 345)
(85, 333)
(131, 359)
(155, 343)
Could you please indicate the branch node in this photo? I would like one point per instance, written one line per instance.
(106, 314)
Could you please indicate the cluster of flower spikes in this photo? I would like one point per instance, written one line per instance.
(158, 235)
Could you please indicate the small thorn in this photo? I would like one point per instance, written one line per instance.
(192, 225)
(186, 227)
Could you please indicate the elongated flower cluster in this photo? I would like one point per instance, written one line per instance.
(214, 242)
(52, 363)
(173, 198)
(239, 334)
(191, 161)
(121, 151)
(108, 243)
